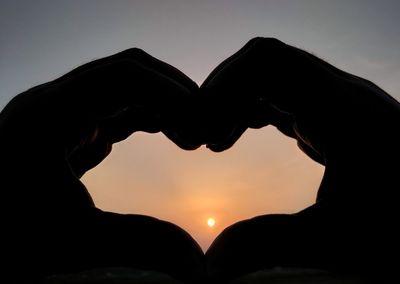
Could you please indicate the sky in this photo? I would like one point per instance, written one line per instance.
(264, 173)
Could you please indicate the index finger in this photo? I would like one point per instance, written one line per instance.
(137, 55)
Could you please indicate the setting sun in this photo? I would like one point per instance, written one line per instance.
(211, 222)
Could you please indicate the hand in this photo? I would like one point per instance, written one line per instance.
(53, 133)
(73, 121)
(340, 120)
(325, 109)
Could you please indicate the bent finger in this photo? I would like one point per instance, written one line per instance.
(107, 92)
(139, 56)
(229, 60)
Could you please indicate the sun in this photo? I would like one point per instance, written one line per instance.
(211, 222)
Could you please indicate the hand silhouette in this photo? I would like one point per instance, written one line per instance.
(53, 133)
(340, 120)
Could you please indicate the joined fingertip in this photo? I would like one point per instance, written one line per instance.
(216, 148)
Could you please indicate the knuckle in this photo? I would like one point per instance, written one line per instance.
(254, 40)
(134, 53)
(268, 43)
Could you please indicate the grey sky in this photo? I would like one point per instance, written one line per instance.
(40, 40)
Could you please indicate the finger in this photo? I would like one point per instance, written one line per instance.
(89, 155)
(110, 88)
(229, 60)
(87, 84)
(108, 91)
(217, 90)
(31, 96)
(139, 56)
(231, 89)
(185, 144)
(228, 141)
(241, 82)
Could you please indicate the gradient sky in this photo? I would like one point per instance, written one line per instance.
(147, 174)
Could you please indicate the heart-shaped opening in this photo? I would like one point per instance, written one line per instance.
(263, 173)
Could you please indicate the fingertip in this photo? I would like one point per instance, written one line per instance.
(224, 144)
(215, 148)
(189, 147)
(184, 145)
(220, 147)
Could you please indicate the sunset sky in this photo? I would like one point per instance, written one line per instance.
(147, 174)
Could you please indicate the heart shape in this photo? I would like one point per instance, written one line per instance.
(266, 82)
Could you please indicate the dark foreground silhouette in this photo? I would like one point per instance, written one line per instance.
(52, 134)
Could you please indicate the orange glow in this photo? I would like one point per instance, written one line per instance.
(147, 174)
(211, 222)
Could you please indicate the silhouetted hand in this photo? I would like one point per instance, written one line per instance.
(323, 108)
(340, 120)
(53, 133)
(76, 118)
